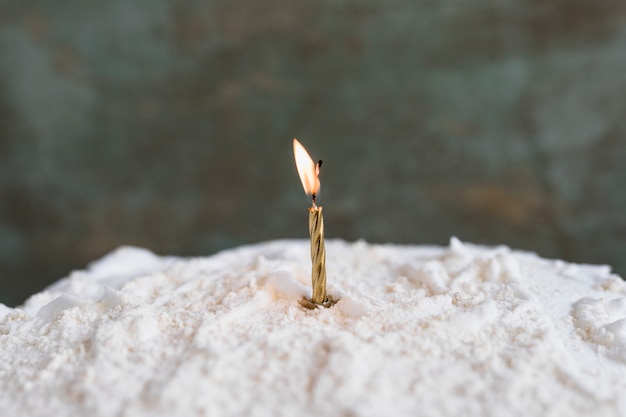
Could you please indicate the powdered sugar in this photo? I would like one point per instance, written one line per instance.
(603, 321)
(463, 330)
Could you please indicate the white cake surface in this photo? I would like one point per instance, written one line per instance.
(463, 330)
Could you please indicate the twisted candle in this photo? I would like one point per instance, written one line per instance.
(318, 254)
(309, 172)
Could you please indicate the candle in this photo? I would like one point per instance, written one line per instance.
(309, 176)
(318, 254)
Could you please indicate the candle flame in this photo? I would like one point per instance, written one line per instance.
(307, 169)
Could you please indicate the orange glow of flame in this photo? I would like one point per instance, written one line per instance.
(307, 169)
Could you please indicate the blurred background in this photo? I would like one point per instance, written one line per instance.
(168, 124)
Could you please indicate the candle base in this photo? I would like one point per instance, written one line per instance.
(308, 303)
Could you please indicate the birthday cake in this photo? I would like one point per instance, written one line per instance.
(428, 331)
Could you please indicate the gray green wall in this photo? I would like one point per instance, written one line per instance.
(168, 124)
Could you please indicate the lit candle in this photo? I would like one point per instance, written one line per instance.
(309, 176)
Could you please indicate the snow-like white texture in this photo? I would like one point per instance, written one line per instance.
(428, 331)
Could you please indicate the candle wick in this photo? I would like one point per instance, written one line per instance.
(317, 173)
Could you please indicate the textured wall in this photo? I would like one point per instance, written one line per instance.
(168, 124)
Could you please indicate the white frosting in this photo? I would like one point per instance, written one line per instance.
(463, 330)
